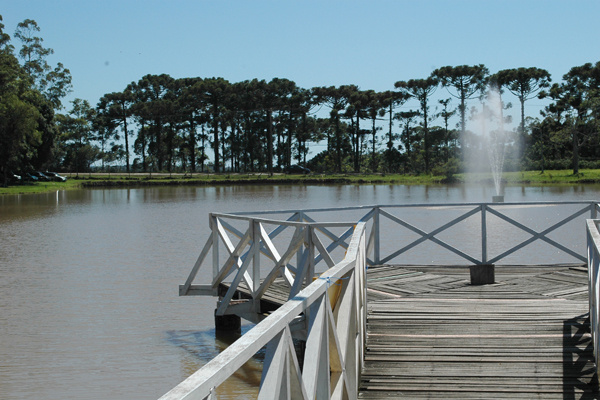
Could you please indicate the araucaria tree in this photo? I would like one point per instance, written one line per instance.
(466, 82)
(78, 136)
(188, 124)
(525, 83)
(337, 99)
(421, 89)
(118, 108)
(391, 100)
(576, 106)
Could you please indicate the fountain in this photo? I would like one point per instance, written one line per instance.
(490, 124)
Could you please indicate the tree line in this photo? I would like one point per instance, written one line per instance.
(161, 123)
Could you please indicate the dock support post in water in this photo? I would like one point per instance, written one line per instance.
(227, 323)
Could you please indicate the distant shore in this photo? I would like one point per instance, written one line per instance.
(123, 180)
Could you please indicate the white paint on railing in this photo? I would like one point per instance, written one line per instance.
(593, 259)
(334, 351)
(339, 328)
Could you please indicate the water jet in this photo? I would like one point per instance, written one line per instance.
(490, 125)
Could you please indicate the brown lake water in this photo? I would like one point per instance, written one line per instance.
(89, 304)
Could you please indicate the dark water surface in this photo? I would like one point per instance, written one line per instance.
(89, 304)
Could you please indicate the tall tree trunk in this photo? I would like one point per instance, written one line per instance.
(373, 162)
(126, 141)
(192, 145)
(280, 146)
(575, 151)
(159, 153)
(304, 136)
(234, 146)
(426, 136)
(249, 153)
(203, 138)
(522, 135)
(446, 139)
(357, 144)
(288, 160)
(463, 122)
(224, 145)
(270, 141)
(338, 144)
(407, 148)
(216, 138)
(353, 141)
(143, 132)
(390, 144)
(170, 148)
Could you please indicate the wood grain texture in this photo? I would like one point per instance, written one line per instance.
(433, 335)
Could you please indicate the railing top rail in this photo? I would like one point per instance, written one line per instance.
(417, 205)
(233, 357)
(281, 222)
(594, 230)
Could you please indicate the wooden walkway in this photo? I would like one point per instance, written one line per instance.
(432, 335)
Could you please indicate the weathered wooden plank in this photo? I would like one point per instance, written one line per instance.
(432, 335)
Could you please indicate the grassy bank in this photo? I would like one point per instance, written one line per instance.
(145, 180)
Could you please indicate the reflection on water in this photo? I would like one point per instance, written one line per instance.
(89, 278)
(203, 346)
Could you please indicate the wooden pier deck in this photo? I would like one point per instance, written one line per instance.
(432, 335)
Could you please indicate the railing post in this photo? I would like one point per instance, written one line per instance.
(594, 328)
(483, 235)
(255, 232)
(594, 211)
(590, 263)
(593, 265)
(215, 244)
(310, 248)
(361, 272)
(377, 248)
(299, 253)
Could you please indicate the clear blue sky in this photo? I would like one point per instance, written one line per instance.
(108, 44)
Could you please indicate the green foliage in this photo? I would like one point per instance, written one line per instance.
(30, 94)
(448, 170)
(53, 83)
(78, 135)
(264, 126)
(18, 133)
(421, 90)
(466, 81)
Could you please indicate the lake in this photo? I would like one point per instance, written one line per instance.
(89, 304)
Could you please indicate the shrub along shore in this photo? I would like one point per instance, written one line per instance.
(104, 180)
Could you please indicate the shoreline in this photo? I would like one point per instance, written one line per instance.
(124, 180)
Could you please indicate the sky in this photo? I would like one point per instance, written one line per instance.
(373, 44)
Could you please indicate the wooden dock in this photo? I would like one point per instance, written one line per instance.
(433, 335)
(419, 332)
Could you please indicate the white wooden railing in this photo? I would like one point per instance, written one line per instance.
(593, 248)
(244, 257)
(306, 243)
(332, 309)
(259, 247)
